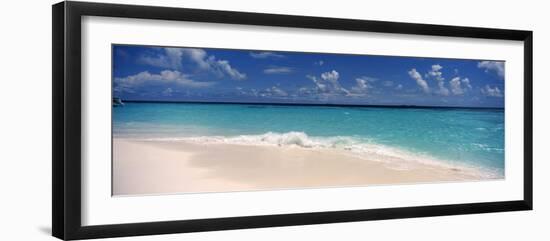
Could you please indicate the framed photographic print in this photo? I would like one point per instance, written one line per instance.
(170, 120)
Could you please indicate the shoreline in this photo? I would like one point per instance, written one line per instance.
(143, 167)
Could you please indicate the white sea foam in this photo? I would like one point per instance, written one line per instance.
(291, 139)
(486, 147)
(358, 147)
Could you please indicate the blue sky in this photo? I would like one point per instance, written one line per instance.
(203, 74)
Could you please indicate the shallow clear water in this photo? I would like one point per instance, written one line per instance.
(458, 135)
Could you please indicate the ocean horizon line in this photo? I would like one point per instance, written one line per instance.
(312, 104)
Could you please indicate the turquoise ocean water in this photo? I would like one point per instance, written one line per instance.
(473, 137)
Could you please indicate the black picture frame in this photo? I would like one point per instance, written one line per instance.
(66, 128)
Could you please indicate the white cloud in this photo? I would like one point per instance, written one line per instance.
(362, 85)
(331, 76)
(321, 87)
(492, 92)
(247, 92)
(442, 89)
(277, 70)
(172, 59)
(198, 56)
(174, 55)
(419, 80)
(129, 83)
(264, 55)
(456, 89)
(320, 62)
(457, 85)
(436, 69)
(399, 87)
(206, 62)
(224, 66)
(305, 91)
(328, 83)
(369, 79)
(466, 83)
(436, 73)
(273, 91)
(492, 66)
(240, 90)
(169, 59)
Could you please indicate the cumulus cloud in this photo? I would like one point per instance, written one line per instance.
(320, 86)
(129, 83)
(496, 67)
(265, 55)
(206, 62)
(198, 56)
(305, 91)
(466, 83)
(172, 59)
(436, 70)
(168, 59)
(224, 66)
(247, 92)
(331, 76)
(456, 87)
(328, 83)
(277, 70)
(362, 85)
(274, 91)
(320, 62)
(436, 74)
(492, 92)
(419, 80)
(460, 86)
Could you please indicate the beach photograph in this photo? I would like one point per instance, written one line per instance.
(199, 120)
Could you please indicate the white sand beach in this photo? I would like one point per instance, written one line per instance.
(164, 167)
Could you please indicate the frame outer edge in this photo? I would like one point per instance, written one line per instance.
(66, 120)
(528, 121)
(58, 146)
(72, 106)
